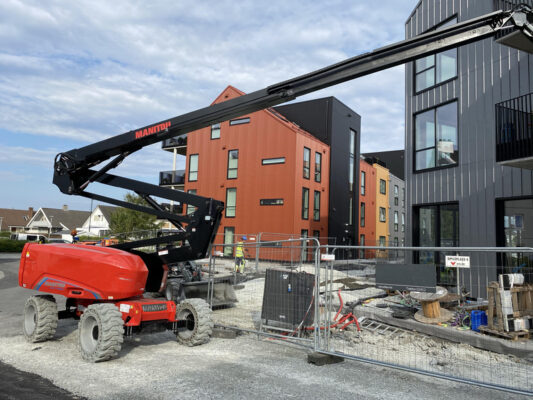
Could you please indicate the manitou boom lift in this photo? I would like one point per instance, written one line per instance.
(104, 286)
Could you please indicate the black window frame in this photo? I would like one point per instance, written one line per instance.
(415, 151)
(228, 207)
(232, 169)
(228, 250)
(271, 202)
(197, 167)
(307, 169)
(190, 208)
(362, 215)
(305, 210)
(384, 189)
(318, 166)
(384, 214)
(268, 161)
(215, 128)
(415, 72)
(316, 211)
(363, 182)
(239, 121)
(438, 256)
(396, 221)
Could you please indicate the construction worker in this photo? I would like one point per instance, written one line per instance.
(239, 256)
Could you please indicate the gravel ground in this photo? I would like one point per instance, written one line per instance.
(155, 366)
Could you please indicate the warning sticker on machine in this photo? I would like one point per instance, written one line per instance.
(125, 308)
(458, 261)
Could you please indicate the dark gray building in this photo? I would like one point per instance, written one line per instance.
(458, 193)
(337, 125)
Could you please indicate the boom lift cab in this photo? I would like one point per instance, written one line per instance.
(105, 286)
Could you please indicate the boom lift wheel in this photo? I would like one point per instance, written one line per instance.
(195, 325)
(100, 332)
(40, 318)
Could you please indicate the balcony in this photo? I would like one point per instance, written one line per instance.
(514, 132)
(172, 178)
(179, 143)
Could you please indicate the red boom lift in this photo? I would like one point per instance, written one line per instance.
(105, 286)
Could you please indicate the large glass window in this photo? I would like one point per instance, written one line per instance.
(396, 195)
(215, 131)
(307, 162)
(229, 235)
(515, 229)
(436, 137)
(193, 167)
(437, 226)
(305, 203)
(396, 222)
(318, 167)
(436, 69)
(231, 202)
(316, 206)
(363, 182)
(233, 162)
(191, 208)
(403, 222)
(362, 216)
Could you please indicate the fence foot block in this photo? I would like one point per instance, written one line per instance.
(223, 333)
(320, 359)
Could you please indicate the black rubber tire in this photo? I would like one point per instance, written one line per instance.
(40, 318)
(199, 325)
(100, 332)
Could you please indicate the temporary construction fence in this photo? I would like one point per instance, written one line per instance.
(329, 303)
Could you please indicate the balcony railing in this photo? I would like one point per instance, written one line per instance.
(172, 178)
(176, 142)
(514, 132)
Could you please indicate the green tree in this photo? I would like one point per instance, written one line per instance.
(126, 220)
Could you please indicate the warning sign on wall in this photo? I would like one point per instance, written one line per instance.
(458, 261)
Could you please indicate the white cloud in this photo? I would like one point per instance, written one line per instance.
(87, 70)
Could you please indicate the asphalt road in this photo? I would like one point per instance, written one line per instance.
(155, 366)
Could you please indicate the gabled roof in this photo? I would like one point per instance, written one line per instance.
(70, 219)
(232, 92)
(107, 211)
(11, 217)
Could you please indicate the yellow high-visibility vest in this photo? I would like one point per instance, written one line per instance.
(239, 250)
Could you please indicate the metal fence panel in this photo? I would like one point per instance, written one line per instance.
(386, 332)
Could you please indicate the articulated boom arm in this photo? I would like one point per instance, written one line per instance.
(73, 173)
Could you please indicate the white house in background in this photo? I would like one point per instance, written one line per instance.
(97, 224)
(50, 221)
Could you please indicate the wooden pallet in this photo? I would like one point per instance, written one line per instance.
(522, 298)
(519, 335)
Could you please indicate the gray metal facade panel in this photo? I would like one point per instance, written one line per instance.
(487, 74)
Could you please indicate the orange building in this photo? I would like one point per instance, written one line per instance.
(271, 175)
(367, 204)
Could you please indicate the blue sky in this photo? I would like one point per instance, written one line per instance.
(76, 72)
